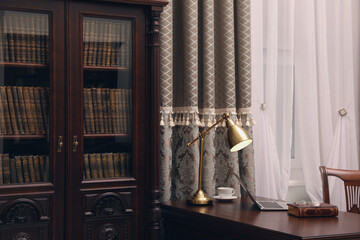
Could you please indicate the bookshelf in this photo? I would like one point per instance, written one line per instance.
(79, 119)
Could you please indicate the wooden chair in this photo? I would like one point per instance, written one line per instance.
(351, 180)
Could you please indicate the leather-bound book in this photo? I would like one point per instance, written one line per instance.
(309, 210)
(110, 162)
(6, 110)
(42, 167)
(33, 105)
(29, 110)
(12, 111)
(116, 165)
(99, 165)
(87, 166)
(105, 165)
(31, 169)
(38, 111)
(23, 109)
(19, 170)
(16, 103)
(6, 168)
(2, 117)
(26, 171)
(93, 166)
(37, 168)
(13, 178)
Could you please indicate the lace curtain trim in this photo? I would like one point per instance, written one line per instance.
(205, 117)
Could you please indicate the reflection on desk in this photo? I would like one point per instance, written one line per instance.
(241, 219)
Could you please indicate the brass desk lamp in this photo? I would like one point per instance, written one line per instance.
(237, 138)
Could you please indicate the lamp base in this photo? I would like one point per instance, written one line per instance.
(199, 199)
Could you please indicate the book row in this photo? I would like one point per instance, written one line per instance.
(107, 110)
(107, 165)
(23, 110)
(25, 38)
(24, 169)
(106, 42)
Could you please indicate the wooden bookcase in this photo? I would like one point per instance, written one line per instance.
(79, 119)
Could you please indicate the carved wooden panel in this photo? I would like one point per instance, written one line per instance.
(109, 215)
(25, 218)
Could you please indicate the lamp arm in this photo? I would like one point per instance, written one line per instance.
(203, 133)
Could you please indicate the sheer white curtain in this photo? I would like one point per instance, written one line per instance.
(319, 46)
(272, 71)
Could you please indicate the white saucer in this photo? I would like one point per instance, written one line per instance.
(225, 199)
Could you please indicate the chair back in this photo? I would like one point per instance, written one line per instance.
(351, 180)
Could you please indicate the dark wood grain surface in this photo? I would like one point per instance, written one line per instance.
(240, 219)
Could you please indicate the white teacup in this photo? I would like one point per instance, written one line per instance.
(226, 192)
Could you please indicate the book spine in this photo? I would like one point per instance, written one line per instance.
(119, 112)
(33, 110)
(39, 115)
(87, 166)
(2, 118)
(46, 169)
(1, 169)
(42, 40)
(13, 178)
(100, 110)
(128, 164)
(37, 168)
(105, 110)
(123, 167)
(96, 110)
(19, 169)
(24, 43)
(38, 38)
(29, 110)
(25, 165)
(32, 39)
(108, 111)
(113, 111)
(128, 110)
(108, 44)
(23, 109)
(11, 39)
(97, 60)
(17, 37)
(18, 116)
(99, 165)
(86, 41)
(94, 169)
(92, 51)
(116, 157)
(31, 168)
(6, 168)
(44, 100)
(105, 165)
(86, 113)
(91, 110)
(12, 111)
(101, 55)
(5, 40)
(42, 162)
(114, 45)
(6, 110)
(110, 162)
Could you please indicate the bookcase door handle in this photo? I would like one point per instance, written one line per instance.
(75, 143)
(60, 144)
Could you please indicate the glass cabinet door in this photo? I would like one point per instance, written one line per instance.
(24, 97)
(107, 74)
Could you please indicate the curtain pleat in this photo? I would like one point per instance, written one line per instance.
(205, 72)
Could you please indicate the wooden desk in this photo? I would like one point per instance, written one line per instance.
(241, 220)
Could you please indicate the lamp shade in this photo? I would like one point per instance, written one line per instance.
(237, 136)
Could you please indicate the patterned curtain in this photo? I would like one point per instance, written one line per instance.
(205, 72)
